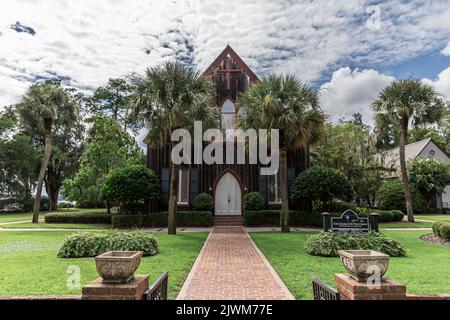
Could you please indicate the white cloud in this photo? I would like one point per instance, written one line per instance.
(88, 42)
(352, 91)
(442, 83)
(446, 50)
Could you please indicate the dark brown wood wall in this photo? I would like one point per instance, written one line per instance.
(230, 86)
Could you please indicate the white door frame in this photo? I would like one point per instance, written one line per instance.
(228, 196)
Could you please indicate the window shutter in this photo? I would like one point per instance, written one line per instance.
(165, 185)
(194, 184)
(262, 182)
(290, 178)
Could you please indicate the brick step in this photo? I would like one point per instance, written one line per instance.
(228, 221)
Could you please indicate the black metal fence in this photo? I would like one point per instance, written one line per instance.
(158, 290)
(322, 291)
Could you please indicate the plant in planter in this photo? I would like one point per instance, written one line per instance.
(362, 264)
(118, 267)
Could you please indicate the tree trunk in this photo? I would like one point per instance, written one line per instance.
(53, 185)
(284, 193)
(173, 199)
(108, 207)
(404, 174)
(45, 160)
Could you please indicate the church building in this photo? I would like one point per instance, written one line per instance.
(226, 183)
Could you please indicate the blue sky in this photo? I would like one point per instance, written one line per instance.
(350, 49)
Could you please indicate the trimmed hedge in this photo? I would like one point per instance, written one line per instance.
(270, 218)
(91, 244)
(253, 201)
(444, 231)
(159, 219)
(93, 217)
(441, 229)
(203, 202)
(327, 244)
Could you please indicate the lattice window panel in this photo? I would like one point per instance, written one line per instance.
(273, 189)
(183, 186)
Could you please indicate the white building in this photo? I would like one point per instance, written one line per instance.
(424, 148)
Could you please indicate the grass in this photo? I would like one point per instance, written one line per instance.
(425, 270)
(404, 224)
(13, 217)
(41, 225)
(434, 218)
(29, 265)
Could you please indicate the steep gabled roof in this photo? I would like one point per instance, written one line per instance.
(412, 151)
(229, 51)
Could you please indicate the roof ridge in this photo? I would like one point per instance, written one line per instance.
(410, 144)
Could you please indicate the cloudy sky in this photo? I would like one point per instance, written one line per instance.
(351, 49)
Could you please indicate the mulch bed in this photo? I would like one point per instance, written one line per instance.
(434, 239)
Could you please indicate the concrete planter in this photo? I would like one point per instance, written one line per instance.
(361, 264)
(118, 267)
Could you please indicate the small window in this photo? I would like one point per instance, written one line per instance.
(183, 186)
(274, 190)
(228, 116)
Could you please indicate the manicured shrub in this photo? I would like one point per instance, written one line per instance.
(327, 244)
(78, 217)
(159, 219)
(444, 231)
(398, 215)
(363, 211)
(90, 244)
(130, 186)
(253, 201)
(321, 186)
(386, 216)
(341, 207)
(391, 196)
(271, 218)
(436, 227)
(203, 202)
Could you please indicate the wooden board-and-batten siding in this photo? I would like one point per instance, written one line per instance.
(231, 77)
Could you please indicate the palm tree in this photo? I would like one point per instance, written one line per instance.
(292, 107)
(169, 98)
(43, 107)
(402, 104)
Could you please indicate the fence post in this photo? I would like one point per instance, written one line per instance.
(374, 219)
(326, 221)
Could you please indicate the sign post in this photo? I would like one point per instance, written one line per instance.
(349, 222)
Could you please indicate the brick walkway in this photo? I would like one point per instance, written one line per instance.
(231, 267)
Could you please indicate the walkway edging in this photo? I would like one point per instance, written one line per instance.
(277, 278)
(183, 292)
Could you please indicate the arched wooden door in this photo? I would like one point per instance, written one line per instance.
(228, 196)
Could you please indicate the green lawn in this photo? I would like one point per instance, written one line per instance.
(42, 225)
(29, 266)
(4, 218)
(425, 270)
(404, 224)
(434, 218)
(13, 217)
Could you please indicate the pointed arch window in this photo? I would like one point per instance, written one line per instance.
(228, 115)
